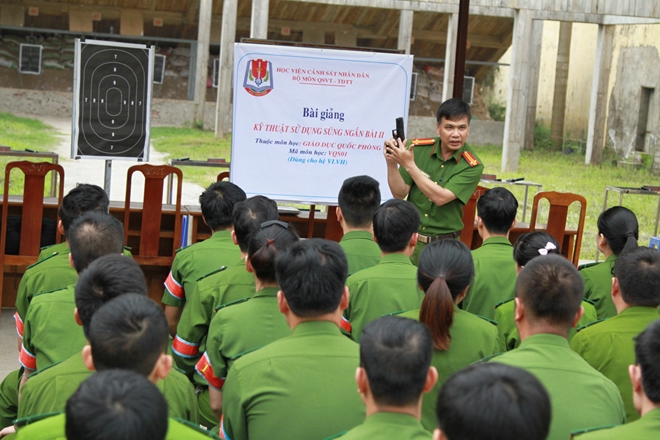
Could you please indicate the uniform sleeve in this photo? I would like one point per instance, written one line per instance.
(28, 357)
(212, 365)
(234, 422)
(22, 300)
(464, 183)
(502, 329)
(174, 294)
(579, 344)
(590, 314)
(180, 396)
(193, 327)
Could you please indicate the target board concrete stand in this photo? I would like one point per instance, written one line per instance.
(111, 102)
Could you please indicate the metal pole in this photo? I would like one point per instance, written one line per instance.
(461, 48)
(108, 177)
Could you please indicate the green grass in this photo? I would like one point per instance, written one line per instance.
(195, 145)
(19, 134)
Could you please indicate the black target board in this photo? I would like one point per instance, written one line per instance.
(29, 59)
(112, 100)
(159, 68)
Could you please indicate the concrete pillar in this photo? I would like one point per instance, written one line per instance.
(450, 57)
(227, 37)
(516, 108)
(202, 59)
(561, 83)
(598, 106)
(259, 20)
(533, 84)
(405, 30)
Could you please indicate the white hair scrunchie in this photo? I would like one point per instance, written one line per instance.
(548, 247)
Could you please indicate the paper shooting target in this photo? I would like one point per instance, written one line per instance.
(112, 100)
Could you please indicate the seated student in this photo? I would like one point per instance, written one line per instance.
(460, 338)
(390, 286)
(645, 378)
(548, 296)
(106, 278)
(193, 261)
(129, 333)
(359, 198)
(528, 246)
(300, 386)
(395, 369)
(494, 270)
(50, 335)
(219, 287)
(249, 324)
(617, 231)
(494, 402)
(608, 345)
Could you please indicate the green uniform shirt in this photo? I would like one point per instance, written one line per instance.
(494, 277)
(388, 287)
(48, 390)
(59, 248)
(581, 396)
(298, 387)
(457, 174)
(383, 425)
(9, 398)
(598, 286)
(239, 329)
(361, 250)
(646, 428)
(609, 347)
(196, 260)
(53, 428)
(212, 291)
(506, 323)
(472, 339)
(51, 332)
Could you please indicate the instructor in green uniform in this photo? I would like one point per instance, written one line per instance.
(300, 386)
(608, 346)
(548, 295)
(395, 369)
(438, 175)
(645, 378)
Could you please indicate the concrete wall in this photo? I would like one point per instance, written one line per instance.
(481, 132)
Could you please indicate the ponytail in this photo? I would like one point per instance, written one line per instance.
(620, 228)
(437, 312)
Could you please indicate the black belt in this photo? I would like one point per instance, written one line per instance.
(431, 238)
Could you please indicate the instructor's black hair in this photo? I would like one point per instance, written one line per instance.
(454, 109)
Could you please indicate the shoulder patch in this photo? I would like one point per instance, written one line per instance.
(211, 273)
(42, 260)
(422, 142)
(49, 291)
(46, 247)
(36, 373)
(495, 323)
(504, 302)
(586, 265)
(598, 428)
(33, 419)
(197, 428)
(589, 325)
(182, 248)
(232, 303)
(471, 160)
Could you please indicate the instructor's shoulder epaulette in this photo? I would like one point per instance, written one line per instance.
(232, 303)
(32, 419)
(48, 291)
(471, 160)
(504, 302)
(586, 265)
(197, 428)
(211, 273)
(584, 431)
(42, 260)
(589, 325)
(422, 142)
(495, 323)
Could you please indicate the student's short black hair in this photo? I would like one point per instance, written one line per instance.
(249, 215)
(395, 222)
(533, 244)
(359, 198)
(619, 227)
(396, 354)
(454, 109)
(93, 235)
(497, 208)
(495, 402)
(116, 404)
(106, 278)
(129, 332)
(312, 274)
(647, 356)
(551, 290)
(218, 201)
(638, 272)
(81, 199)
(266, 243)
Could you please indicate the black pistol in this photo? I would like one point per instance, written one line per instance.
(398, 133)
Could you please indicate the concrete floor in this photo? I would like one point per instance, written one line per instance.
(8, 346)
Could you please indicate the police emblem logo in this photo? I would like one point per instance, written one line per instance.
(258, 77)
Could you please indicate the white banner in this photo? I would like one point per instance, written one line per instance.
(306, 119)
